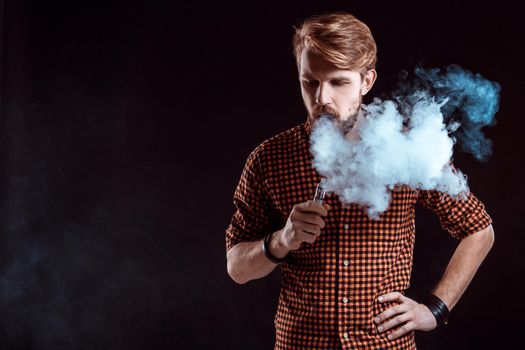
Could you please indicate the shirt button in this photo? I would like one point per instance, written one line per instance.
(345, 300)
(345, 335)
(346, 226)
(346, 262)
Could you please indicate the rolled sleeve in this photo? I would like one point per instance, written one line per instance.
(252, 219)
(459, 217)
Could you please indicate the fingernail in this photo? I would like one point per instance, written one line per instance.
(389, 337)
(377, 319)
(380, 298)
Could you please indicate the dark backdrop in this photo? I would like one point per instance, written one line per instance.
(125, 126)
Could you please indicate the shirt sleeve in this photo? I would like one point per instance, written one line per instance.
(252, 219)
(460, 218)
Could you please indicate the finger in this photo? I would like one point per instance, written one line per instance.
(407, 327)
(390, 312)
(308, 237)
(312, 207)
(310, 228)
(394, 322)
(394, 296)
(313, 219)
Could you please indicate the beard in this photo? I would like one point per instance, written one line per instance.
(346, 124)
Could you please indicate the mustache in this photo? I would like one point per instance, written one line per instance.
(318, 110)
(344, 126)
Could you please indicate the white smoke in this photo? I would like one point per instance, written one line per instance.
(380, 153)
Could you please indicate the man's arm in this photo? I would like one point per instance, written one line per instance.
(462, 267)
(246, 260)
(466, 260)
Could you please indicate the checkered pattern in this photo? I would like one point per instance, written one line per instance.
(329, 289)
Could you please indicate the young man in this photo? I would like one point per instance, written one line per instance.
(343, 275)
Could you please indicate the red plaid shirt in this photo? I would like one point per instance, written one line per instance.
(329, 290)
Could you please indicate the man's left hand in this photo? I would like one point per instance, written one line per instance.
(410, 313)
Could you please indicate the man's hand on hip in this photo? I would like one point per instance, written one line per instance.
(408, 313)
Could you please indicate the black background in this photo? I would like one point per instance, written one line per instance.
(125, 126)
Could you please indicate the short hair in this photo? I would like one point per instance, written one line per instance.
(338, 37)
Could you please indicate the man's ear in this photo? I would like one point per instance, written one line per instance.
(368, 81)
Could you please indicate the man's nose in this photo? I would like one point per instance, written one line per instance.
(323, 94)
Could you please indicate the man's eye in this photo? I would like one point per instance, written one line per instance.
(339, 83)
(311, 82)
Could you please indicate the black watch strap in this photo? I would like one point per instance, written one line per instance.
(438, 308)
(268, 254)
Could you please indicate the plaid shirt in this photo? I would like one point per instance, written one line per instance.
(329, 289)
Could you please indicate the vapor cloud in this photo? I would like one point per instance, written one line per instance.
(408, 139)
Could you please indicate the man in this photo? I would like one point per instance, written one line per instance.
(343, 274)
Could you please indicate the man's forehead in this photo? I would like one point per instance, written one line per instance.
(330, 75)
(314, 66)
(335, 74)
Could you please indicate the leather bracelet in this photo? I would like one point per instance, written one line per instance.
(266, 250)
(438, 308)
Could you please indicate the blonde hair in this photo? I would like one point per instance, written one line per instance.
(338, 37)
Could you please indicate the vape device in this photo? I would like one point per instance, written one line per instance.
(320, 191)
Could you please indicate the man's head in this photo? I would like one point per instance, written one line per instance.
(336, 58)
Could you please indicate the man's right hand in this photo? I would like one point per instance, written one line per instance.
(304, 224)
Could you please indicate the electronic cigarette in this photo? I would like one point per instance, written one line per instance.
(320, 191)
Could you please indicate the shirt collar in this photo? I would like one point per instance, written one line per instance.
(308, 127)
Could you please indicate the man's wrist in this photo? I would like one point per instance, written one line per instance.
(268, 253)
(438, 308)
(276, 247)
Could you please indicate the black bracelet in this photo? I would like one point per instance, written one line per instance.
(438, 308)
(266, 250)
